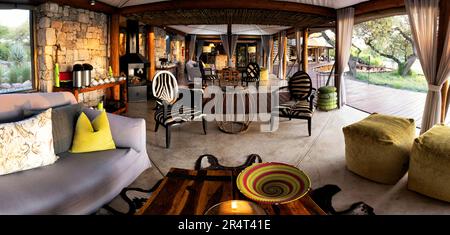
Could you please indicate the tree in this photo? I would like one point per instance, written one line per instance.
(390, 37)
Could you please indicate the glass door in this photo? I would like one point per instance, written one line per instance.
(245, 53)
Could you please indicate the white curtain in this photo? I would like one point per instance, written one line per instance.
(192, 46)
(423, 17)
(234, 40)
(345, 19)
(226, 46)
(229, 48)
(281, 55)
(298, 42)
(267, 42)
(199, 49)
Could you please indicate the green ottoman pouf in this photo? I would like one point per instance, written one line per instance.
(429, 167)
(327, 98)
(378, 147)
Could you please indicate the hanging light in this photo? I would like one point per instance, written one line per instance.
(211, 45)
(206, 49)
(92, 2)
(251, 49)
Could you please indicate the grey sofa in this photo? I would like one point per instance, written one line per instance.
(75, 183)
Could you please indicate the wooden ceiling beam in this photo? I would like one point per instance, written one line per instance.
(230, 4)
(377, 5)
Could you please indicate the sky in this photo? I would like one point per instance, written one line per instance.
(13, 18)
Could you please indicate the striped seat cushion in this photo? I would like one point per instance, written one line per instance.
(182, 115)
(300, 86)
(301, 109)
(211, 77)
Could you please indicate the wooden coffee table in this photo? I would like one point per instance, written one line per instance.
(191, 192)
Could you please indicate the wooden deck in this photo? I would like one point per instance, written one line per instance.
(385, 100)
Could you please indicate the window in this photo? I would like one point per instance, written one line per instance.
(16, 71)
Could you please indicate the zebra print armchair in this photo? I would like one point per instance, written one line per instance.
(171, 108)
(300, 105)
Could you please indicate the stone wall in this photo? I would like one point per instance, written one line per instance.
(177, 46)
(83, 38)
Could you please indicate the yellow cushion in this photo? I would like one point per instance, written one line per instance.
(384, 128)
(264, 74)
(92, 137)
(378, 147)
(430, 163)
(437, 140)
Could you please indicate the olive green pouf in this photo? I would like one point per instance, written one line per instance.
(327, 98)
(378, 147)
(429, 167)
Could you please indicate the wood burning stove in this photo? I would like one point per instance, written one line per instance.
(134, 65)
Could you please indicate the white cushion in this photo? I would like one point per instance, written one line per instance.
(27, 144)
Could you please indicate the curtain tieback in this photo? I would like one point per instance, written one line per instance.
(434, 88)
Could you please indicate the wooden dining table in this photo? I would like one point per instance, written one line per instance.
(193, 192)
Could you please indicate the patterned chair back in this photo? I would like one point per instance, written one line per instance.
(300, 85)
(253, 71)
(165, 86)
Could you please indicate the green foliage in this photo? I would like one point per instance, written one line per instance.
(4, 31)
(2, 74)
(17, 54)
(25, 73)
(414, 82)
(14, 74)
(389, 37)
(4, 51)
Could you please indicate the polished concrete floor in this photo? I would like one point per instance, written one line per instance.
(321, 156)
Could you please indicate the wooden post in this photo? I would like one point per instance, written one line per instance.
(305, 50)
(444, 17)
(229, 32)
(285, 57)
(151, 52)
(114, 53)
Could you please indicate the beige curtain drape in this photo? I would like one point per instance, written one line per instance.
(267, 42)
(192, 46)
(345, 19)
(423, 17)
(298, 43)
(281, 55)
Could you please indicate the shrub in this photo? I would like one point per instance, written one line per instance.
(25, 73)
(14, 74)
(17, 54)
(4, 52)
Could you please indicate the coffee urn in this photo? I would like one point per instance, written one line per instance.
(77, 74)
(86, 75)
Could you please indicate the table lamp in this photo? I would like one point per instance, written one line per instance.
(236, 207)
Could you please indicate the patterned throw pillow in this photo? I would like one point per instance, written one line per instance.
(27, 144)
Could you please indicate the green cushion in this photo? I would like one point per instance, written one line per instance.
(327, 89)
(327, 96)
(326, 101)
(328, 107)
